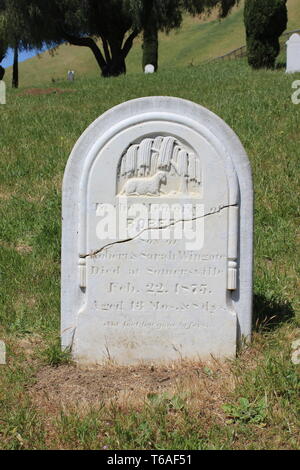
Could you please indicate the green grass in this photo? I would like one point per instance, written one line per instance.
(37, 135)
(197, 41)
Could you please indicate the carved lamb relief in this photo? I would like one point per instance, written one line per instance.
(160, 165)
(150, 186)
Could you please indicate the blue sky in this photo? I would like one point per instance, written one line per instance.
(22, 56)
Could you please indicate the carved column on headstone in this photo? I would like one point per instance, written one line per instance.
(82, 273)
(232, 273)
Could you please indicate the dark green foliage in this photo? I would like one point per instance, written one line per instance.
(265, 21)
(32, 23)
(75, 21)
(151, 16)
(15, 32)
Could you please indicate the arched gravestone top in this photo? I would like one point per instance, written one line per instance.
(156, 295)
(294, 39)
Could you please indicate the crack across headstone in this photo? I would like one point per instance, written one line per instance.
(127, 240)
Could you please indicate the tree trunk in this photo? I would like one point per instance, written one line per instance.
(15, 79)
(114, 62)
(150, 45)
(2, 72)
(2, 69)
(116, 66)
(150, 37)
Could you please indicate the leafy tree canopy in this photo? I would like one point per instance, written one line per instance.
(168, 14)
(152, 16)
(116, 23)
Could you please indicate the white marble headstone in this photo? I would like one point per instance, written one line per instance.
(149, 68)
(157, 236)
(293, 54)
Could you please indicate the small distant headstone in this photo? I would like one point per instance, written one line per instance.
(157, 236)
(71, 75)
(2, 353)
(149, 68)
(2, 92)
(293, 54)
(296, 352)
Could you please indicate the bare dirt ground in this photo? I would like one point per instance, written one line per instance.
(67, 386)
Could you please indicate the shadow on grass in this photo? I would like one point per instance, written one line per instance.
(268, 314)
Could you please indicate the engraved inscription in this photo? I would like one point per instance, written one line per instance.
(147, 286)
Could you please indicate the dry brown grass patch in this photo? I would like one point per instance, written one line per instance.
(6, 195)
(20, 247)
(29, 344)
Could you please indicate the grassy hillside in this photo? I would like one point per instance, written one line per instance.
(196, 41)
(249, 403)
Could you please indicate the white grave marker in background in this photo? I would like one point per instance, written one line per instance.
(157, 236)
(149, 68)
(293, 54)
(71, 75)
(2, 92)
(2, 353)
